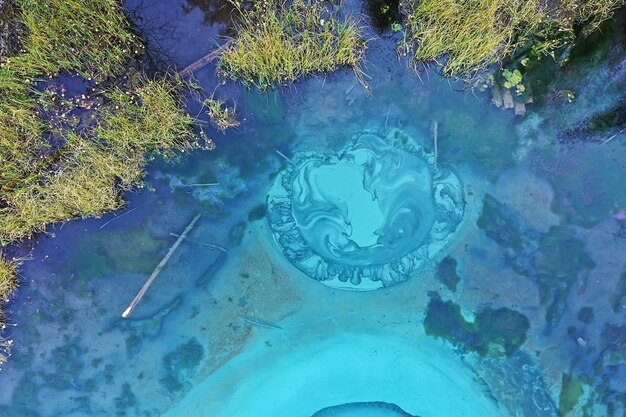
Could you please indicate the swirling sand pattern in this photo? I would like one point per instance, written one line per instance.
(367, 217)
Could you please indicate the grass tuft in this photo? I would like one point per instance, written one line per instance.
(222, 116)
(278, 43)
(467, 36)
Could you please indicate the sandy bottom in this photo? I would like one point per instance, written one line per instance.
(302, 376)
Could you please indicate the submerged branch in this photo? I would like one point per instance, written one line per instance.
(158, 269)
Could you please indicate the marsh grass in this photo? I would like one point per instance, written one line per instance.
(277, 43)
(467, 36)
(8, 284)
(92, 38)
(8, 280)
(87, 174)
(222, 116)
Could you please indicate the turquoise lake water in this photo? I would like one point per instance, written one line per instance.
(341, 265)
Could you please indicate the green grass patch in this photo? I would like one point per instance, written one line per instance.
(85, 176)
(277, 43)
(93, 38)
(467, 36)
(8, 279)
(8, 284)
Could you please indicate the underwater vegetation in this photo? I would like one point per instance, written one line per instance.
(555, 260)
(222, 116)
(466, 37)
(447, 273)
(278, 42)
(180, 364)
(491, 332)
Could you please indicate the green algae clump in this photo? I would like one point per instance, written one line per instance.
(494, 332)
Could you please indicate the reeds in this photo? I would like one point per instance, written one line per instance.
(277, 43)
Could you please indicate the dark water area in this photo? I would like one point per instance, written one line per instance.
(520, 312)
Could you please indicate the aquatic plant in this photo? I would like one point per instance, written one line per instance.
(277, 43)
(222, 116)
(468, 36)
(493, 332)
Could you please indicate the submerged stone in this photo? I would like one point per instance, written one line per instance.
(368, 216)
(363, 409)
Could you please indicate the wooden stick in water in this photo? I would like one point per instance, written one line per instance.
(203, 61)
(285, 156)
(158, 269)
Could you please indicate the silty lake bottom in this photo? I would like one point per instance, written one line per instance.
(497, 277)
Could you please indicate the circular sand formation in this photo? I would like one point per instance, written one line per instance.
(368, 216)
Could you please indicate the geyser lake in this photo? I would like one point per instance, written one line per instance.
(495, 265)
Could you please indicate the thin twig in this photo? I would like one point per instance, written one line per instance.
(208, 245)
(285, 156)
(208, 184)
(124, 214)
(158, 269)
(435, 138)
(252, 320)
(614, 136)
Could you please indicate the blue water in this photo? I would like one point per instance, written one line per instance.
(525, 214)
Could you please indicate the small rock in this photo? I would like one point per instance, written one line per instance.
(520, 109)
(507, 99)
(496, 96)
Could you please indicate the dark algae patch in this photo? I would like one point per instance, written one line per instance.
(571, 392)
(447, 274)
(555, 260)
(494, 332)
(180, 365)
